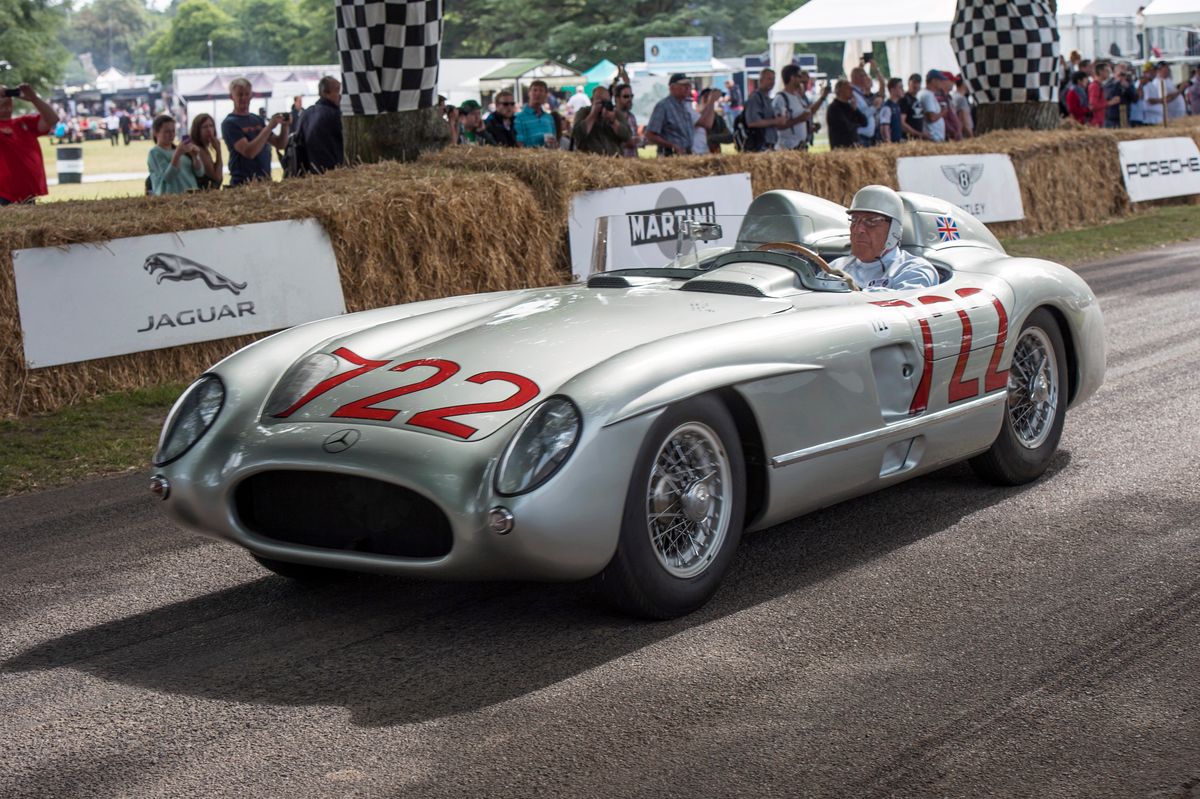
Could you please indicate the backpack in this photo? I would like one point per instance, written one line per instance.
(746, 138)
(295, 161)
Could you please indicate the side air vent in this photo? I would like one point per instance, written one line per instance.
(607, 282)
(722, 287)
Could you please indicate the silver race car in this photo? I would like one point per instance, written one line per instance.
(630, 428)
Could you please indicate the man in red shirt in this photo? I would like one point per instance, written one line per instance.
(22, 173)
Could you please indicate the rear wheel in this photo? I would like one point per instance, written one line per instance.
(1036, 409)
(683, 513)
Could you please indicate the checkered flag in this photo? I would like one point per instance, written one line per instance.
(1008, 51)
(390, 52)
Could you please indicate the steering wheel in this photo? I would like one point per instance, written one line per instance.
(810, 255)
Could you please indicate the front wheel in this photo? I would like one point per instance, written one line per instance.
(1036, 409)
(683, 513)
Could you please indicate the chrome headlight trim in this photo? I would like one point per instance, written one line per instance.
(190, 418)
(301, 378)
(542, 444)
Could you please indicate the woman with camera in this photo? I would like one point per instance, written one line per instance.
(208, 148)
(173, 169)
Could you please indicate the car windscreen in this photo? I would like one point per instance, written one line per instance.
(675, 241)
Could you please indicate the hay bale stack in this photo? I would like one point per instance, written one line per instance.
(1069, 178)
(400, 234)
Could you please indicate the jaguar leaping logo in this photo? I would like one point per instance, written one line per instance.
(964, 176)
(167, 266)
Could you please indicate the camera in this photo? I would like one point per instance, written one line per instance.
(607, 105)
(12, 92)
(868, 57)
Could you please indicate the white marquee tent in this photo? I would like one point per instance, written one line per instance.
(917, 32)
(1173, 14)
(1173, 24)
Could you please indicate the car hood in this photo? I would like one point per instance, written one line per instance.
(466, 371)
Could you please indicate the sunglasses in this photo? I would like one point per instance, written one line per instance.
(510, 102)
(626, 96)
(869, 222)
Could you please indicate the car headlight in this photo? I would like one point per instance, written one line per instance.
(540, 447)
(299, 380)
(190, 418)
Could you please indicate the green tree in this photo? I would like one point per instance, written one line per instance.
(582, 32)
(185, 44)
(267, 29)
(29, 43)
(316, 43)
(110, 30)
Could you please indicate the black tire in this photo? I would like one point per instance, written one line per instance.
(1012, 460)
(637, 580)
(301, 572)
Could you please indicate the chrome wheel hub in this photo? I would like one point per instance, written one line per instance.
(1033, 388)
(689, 499)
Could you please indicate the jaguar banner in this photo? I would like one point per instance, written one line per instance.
(130, 295)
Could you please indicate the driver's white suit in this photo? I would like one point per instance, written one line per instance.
(896, 269)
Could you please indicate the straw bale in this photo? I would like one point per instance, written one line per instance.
(400, 234)
(1069, 177)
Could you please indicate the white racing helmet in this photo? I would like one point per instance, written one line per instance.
(886, 202)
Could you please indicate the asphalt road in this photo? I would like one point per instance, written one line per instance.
(942, 638)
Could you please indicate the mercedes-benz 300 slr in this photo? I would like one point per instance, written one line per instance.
(629, 428)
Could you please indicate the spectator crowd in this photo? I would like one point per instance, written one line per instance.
(862, 110)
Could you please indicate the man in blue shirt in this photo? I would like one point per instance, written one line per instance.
(876, 261)
(535, 127)
(247, 136)
(670, 125)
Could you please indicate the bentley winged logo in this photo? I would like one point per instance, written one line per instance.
(168, 266)
(964, 176)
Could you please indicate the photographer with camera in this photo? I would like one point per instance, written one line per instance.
(598, 128)
(22, 172)
(793, 105)
(247, 135)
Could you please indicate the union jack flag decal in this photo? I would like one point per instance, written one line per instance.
(947, 229)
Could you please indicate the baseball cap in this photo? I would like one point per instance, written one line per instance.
(934, 74)
(469, 106)
(679, 77)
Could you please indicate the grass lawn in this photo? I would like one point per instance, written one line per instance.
(96, 191)
(118, 433)
(99, 157)
(1154, 227)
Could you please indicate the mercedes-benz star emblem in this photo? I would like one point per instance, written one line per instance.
(340, 441)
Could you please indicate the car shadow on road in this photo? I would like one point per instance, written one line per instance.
(395, 651)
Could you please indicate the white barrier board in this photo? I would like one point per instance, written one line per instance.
(697, 198)
(1157, 168)
(129, 295)
(985, 186)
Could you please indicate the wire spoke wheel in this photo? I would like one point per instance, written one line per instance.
(689, 499)
(1033, 388)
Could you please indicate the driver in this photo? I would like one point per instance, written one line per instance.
(877, 262)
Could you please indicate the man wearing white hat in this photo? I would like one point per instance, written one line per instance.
(876, 261)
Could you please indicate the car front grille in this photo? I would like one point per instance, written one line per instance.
(342, 512)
